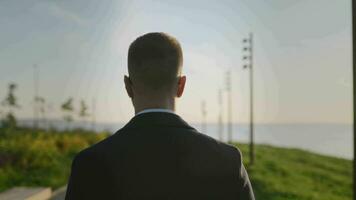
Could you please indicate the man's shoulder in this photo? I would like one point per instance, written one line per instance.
(228, 149)
(96, 152)
(124, 138)
(106, 146)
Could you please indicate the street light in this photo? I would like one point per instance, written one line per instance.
(354, 94)
(204, 112)
(220, 117)
(35, 96)
(229, 104)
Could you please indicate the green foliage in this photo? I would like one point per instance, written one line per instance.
(10, 102)
(39, 158)
(281, 173)
(9, 121)
(67, 107)
(83, 109)
(41, 103)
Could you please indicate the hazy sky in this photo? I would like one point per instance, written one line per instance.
(302, 55)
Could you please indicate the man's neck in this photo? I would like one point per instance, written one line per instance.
(167, 105)
(154, 108)
(150, 110)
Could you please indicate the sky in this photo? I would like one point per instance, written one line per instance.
(302, 55)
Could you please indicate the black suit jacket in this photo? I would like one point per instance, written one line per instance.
(159, 156)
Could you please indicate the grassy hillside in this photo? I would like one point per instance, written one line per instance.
(33, 158)
(38, 158)
(280, 173)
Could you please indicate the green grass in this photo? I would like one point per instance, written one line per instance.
(39, 158)
(280, 173)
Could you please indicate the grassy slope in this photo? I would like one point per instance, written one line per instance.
(280, 173)
(30, 158)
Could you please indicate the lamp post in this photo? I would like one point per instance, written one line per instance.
(93, 117)
(35, 98)
(354, 93)
(203, 112)
(229, 104)
(248, 49)
(220, 119)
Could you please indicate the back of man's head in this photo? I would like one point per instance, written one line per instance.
(155, 62)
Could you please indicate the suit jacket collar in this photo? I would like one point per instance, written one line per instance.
(154, 119)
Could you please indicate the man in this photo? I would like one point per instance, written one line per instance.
(157, 155)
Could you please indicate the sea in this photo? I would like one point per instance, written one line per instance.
(326, 139)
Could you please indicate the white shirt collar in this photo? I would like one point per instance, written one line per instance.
(155, 110)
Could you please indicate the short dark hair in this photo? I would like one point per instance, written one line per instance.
(155, 61)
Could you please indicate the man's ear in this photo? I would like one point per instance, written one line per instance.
(181, 85)
(128, 86)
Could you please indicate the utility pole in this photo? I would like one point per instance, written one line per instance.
(248, 47)
(93, 123)
(221, 127)
(229, 104)
(203, 112)
(354, 93)
(35, 98)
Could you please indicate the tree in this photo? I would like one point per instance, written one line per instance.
(83, 112)
(41, 105)
(67, 108)
(11, 103)
(83, 109)
(1, 117)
